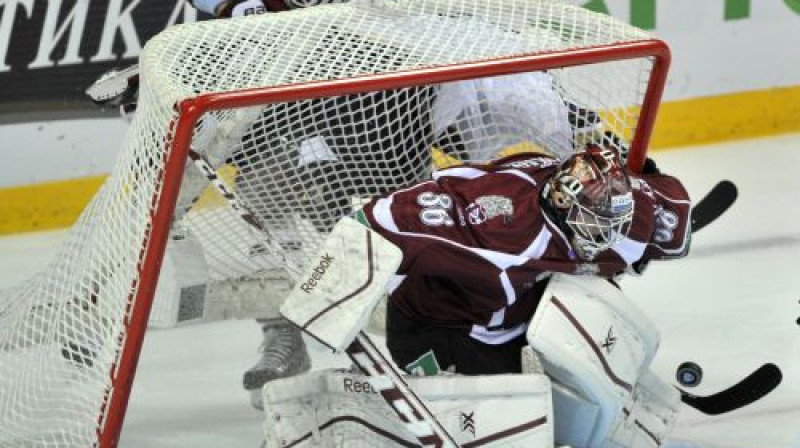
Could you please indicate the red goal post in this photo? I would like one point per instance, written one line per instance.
(193, 109)
(122, 237)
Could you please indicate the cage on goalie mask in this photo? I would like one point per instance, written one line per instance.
(592, 195)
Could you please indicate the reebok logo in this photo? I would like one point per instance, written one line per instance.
(358, 387)
(317, 273)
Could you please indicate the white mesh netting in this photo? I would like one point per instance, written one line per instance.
(275, 177)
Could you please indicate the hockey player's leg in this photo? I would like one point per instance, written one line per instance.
(424, 349)
(597, 348)
(283, 354)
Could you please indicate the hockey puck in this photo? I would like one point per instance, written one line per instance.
(689, 374)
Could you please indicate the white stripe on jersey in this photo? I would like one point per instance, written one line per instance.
(465, 172)
(497, 317)
(496, 337)
(511, 295)
(383, 214)
(629, 250)
(560, 233)
(468, 172)
(519, 174)
(539, 244)
(394, 282)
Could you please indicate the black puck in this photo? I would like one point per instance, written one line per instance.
(689, 374)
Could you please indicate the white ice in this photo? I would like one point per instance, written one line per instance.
(731, 306)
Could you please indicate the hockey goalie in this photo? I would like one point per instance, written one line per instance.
(503, 313)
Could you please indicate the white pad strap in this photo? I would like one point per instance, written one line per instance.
(596, 344)
(334, 298)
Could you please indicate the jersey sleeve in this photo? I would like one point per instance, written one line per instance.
(671, 211)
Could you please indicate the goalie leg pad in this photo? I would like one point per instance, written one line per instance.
(651, 417)
(596, 346)
(335, 408)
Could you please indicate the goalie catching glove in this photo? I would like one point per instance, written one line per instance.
(118, 87)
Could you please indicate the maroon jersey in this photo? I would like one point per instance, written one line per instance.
(476, 242)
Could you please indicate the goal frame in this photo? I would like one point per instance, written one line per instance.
(191, 110)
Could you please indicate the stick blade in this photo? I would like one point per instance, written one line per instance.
(714, 204)
(752, 388)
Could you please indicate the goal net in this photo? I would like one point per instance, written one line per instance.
(253, 136)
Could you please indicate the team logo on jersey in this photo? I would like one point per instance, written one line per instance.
(487, 207)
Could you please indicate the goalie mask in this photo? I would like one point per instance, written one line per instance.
(592, 196)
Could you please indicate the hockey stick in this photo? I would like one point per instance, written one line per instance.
(713, 204)
(239, 207)
(747, 391)
(385, 378)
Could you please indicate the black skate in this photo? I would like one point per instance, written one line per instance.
(283, 354)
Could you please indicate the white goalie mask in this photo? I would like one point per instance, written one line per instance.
(593, 197)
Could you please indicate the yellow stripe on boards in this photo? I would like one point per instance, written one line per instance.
(442, 160)
(680, 123)
(45, 206)
(727, 117)
(211, 198)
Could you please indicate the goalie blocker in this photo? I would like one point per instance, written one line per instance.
(595, 346)
(333, 300)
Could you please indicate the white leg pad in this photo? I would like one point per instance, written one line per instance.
(655, 408)
(341, 409)
(596, 346)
